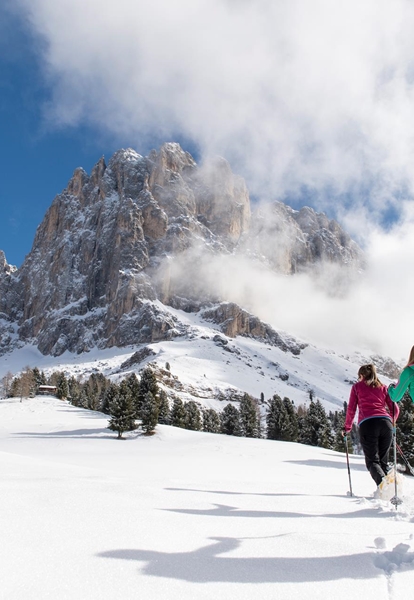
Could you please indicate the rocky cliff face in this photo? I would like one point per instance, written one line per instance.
(235, 321)
(103, 257)
(293, 241)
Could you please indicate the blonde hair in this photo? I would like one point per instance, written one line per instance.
(411, 357)
(369, 375)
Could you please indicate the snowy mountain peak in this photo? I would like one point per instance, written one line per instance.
(140, 229)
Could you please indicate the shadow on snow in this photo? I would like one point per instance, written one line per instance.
(210, 564)
(222, 510)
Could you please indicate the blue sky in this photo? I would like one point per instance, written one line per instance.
(35, 163)
(310, 102)
(36, 160)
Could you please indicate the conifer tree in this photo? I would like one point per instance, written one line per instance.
(164, 408)
(148, 383)
(122, 412)
(54, 378)
(301, 413)
(62, 388)
(110, 394)
(211, 421)
(83, 398)
(276, 419)
(230, 421)
(92, 391)
(95, 390)
(338, 421)
(178, 414)
(134, 386)
(39, 378)
(149, 413)
(405, 428)
(193, 416)
(249, 419)
(74, 389)
(316, 429)
(292, 427)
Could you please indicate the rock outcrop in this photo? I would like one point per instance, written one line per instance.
(293, 241)
(234, 321)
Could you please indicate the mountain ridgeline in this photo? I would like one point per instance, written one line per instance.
(138, 234)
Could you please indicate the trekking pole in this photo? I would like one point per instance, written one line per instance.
(395, 500)
(347, 462)
(405, 459)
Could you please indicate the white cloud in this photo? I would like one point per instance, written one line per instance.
(373, 312)
(301, 93)
(295, 94)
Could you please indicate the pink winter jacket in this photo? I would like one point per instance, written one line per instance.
(371, 402)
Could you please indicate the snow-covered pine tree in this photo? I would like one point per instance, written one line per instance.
(211, 420)
(149, 413)
(338, 420)
(110, 394)
(148, 383)
(316, 430)
(62, 388)
(178, 414)
(405, 429)
(133, 384)
(74, 388)
(276, 419)
(249, 417)
(122, 411)
(230, 421)
(92, 390)
(83, 398)
(193, 416)
(39, 377)
(163, 408)
(292, 428)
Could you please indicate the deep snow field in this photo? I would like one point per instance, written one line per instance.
(188, 515)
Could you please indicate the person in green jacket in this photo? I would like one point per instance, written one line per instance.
(405, 382)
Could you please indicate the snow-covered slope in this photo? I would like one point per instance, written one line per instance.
(188, 516)
(209, 367)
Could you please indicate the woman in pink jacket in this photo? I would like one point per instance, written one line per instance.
(376, 414)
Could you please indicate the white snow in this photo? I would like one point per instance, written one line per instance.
(206, 368)
(187, 516)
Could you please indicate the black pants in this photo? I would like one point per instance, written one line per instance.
(376, 438)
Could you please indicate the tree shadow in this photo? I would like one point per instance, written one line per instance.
(223, 510)
(229, 493)
(208, 564)
(312, 462)
(86, 413)
(74, 433)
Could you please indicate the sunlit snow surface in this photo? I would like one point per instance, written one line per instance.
(206, 367)
(187, 515)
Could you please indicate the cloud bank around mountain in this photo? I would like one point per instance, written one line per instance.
(307, 100)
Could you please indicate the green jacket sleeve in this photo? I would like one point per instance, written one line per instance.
(396, 392)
